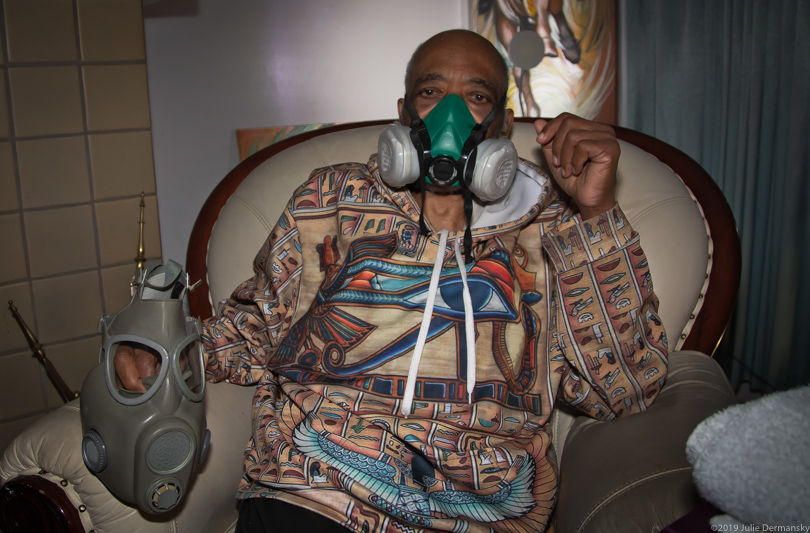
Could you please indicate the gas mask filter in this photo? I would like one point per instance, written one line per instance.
(448, 148)
(146, 446)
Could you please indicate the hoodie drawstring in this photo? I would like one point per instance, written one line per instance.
(469, 325)
(410, 384)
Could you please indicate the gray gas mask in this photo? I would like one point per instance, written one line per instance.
(146, 446)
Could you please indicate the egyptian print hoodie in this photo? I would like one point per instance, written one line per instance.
(400, 389)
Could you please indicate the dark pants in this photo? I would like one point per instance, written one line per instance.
(263, 515)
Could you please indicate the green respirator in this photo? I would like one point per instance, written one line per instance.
(449, 125)
(448, 149)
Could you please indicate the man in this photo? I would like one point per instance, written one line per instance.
(510, 305)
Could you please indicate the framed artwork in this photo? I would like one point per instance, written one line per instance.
(251, 140)
(561, 54)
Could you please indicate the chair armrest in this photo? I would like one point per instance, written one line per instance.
(632, 474)
(48, 454)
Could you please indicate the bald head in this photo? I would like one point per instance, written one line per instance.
(444, 42)
(463, 63)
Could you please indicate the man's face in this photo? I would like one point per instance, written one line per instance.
(461, 64)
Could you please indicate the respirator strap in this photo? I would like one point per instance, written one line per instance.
(419, 136)
(468, 151)
(468, 258)
(422, 226)
(466, 164)
(421, 141)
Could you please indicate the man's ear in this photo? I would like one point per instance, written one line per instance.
(508, 120)
(400, 108)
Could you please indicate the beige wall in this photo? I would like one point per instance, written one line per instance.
(75, 154)
(216, 66)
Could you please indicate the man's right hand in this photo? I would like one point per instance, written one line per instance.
(133, 363)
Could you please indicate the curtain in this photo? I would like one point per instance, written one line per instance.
(728, 82)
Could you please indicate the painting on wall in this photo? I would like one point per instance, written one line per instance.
(251, 140)
(561, 54)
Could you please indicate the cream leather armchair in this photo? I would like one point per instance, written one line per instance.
(625, 475)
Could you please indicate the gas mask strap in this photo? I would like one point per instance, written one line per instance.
(421, 141)
(467, 159)
(466, 164)
(419, 137)
(468, 257)
(422, 226)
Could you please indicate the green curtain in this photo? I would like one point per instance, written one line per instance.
(728, 82)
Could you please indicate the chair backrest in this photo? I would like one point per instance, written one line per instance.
(686, 227)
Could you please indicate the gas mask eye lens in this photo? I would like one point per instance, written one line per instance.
(188, 371)
(143, 362)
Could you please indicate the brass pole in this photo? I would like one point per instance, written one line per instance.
(36, 347)
(140, 259)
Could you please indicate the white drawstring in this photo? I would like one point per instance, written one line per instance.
(407, 398)
(469, 325)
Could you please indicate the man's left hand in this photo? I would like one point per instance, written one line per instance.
(582, 156)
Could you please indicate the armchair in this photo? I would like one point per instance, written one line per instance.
(691, 243)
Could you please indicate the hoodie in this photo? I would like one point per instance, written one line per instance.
(400, 389)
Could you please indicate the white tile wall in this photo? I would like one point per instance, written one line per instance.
(75, 154)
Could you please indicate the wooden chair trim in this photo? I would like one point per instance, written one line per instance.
(197, 252)
(724, 278)
(32, 503)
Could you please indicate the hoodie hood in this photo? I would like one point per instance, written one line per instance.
(527, 192)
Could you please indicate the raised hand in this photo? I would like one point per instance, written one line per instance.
(582, 156)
